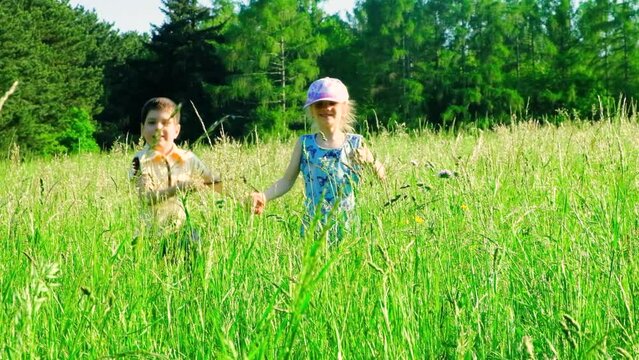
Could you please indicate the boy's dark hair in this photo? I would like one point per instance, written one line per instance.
(161, 104)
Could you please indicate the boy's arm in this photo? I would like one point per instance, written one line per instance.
(281, 186)
(157, 196)
(213, 180)
(144, 185)
(208, 177)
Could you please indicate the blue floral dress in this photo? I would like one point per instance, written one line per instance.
(330, 177)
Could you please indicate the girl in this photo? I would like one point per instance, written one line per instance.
(330, 160)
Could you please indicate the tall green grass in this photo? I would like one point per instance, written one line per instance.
(529, 252)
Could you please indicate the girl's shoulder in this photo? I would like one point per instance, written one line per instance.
(307, 140)
(355, 140)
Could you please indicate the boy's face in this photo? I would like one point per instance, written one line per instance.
(160, 130)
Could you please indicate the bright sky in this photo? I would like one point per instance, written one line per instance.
(138, 15)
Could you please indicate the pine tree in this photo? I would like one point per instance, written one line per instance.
(625, 56)
(487, 43)
(527, 68)
(553, 74)
(128, 84)
(273, 52)
(186, 60)
(341, 59)
(390, 47)
(459, 64)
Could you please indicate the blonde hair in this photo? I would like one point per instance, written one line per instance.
(347, 122)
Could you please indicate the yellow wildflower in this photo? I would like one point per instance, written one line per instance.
(419, 219)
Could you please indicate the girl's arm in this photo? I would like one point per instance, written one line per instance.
(365, 157)
(281, 186)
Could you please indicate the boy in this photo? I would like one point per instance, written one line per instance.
(162, 171)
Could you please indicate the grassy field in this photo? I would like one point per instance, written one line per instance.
(531, 251)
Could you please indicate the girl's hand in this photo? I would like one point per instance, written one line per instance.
(258, 202)
(363, 156)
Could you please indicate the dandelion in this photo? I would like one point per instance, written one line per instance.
(419, 219)
(464, 207)
(445, 174)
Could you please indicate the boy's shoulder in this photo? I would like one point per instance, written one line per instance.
(183, 153)
(177, 153)
(186, 157)
(140, 153)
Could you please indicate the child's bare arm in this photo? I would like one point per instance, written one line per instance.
(208, 179)
(281, 186)
(218, 187)
(286, 182)
(213, 181)
(364, 156)
(379, 169)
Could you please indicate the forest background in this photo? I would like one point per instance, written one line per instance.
(246, 66)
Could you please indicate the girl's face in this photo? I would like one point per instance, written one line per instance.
(328, 114)
(160, 130)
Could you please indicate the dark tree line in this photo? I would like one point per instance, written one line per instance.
(246, 65)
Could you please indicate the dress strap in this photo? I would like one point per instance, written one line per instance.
(354, 140)
(307, 141)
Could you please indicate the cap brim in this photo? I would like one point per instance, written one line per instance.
(309, 103)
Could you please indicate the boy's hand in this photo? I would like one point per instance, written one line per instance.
(185, 185)
(258, 203)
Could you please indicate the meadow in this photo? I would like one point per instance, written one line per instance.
(529, 251)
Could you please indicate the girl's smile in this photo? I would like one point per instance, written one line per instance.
(327, 112)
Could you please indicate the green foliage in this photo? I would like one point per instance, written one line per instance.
(179, 60)
(78, 131)
(389, 45)
(246, 65)
(57, 54)
(272, 55)
(126, 82)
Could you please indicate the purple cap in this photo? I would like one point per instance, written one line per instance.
(327, 89)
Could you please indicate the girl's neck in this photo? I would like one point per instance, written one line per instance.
(330, 139)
